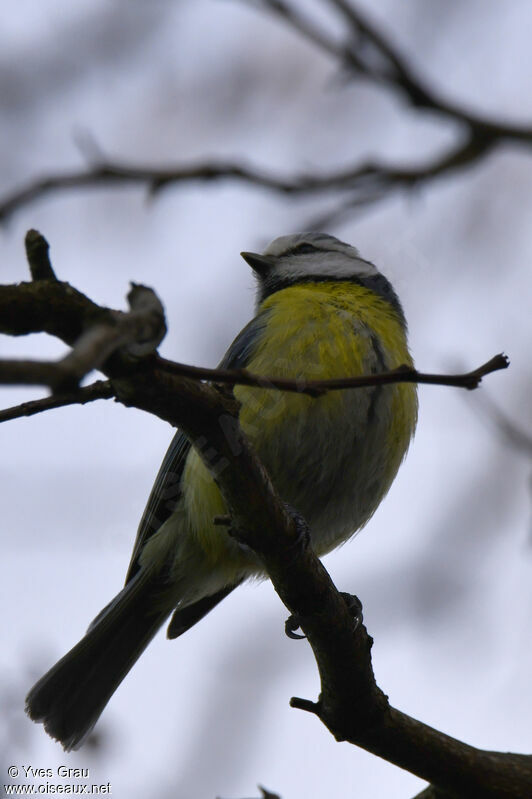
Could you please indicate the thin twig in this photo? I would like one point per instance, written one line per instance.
(37, 254)
(120, 174)
(101, 389)
(99, 345)
(53, 373)
(398, 76)
(367, 183)
(316, 388)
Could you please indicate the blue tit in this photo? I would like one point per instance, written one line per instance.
(322, 312)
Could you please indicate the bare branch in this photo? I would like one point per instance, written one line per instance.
(370, 54)
(266, 794)
(101, 389)
(350, 704)
(120, 174)
(136, 333)
(99, 343)
(47, 305)
(34, 373)
(302, 24)
(364, 183)
(316, 388)
(398, 69)
(96, 333)
(51, 307)
(367, 53)
(37, 254)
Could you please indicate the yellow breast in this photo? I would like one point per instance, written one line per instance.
(332, 458)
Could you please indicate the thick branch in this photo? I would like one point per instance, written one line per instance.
(350, 704)
(434, 793)
(95, 334)
(135, 333)
(49, 307)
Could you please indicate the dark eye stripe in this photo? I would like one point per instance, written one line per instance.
(299, 249)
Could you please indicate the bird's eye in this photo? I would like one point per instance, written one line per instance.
(300, 249)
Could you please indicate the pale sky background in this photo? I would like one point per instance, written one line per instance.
(444, 570)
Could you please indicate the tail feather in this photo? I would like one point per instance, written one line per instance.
(186, 617)
(70, 697)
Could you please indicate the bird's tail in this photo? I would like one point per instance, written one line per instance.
(70, 697)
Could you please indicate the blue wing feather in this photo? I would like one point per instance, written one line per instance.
(241, 350)
(163, 498)
(166, 490)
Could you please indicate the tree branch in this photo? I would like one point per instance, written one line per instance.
(37, 254)
(350, 704)
(153, 178)
(316, 388)
(143, 327)
(434, 793)
(367, 53)
(136, 333)
(101, 389)
(364, 183)
(95, 334)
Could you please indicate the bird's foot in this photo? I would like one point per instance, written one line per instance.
(354, 606)
(302, 539)
(292, 624)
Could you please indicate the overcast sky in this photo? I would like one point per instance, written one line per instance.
(444, 569)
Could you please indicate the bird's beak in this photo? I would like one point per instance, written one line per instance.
(259, 263)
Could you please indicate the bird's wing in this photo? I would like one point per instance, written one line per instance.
(243, 347)
(166, 490)
(163, 498)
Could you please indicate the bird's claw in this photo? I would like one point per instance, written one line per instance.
(291, 625)
(354, 606)
(303, 532)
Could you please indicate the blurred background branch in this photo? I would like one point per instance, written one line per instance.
(444, 567)
(362, 52)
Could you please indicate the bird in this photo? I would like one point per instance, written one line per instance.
(322, 311)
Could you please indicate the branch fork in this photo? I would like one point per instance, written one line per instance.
(123, 345)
